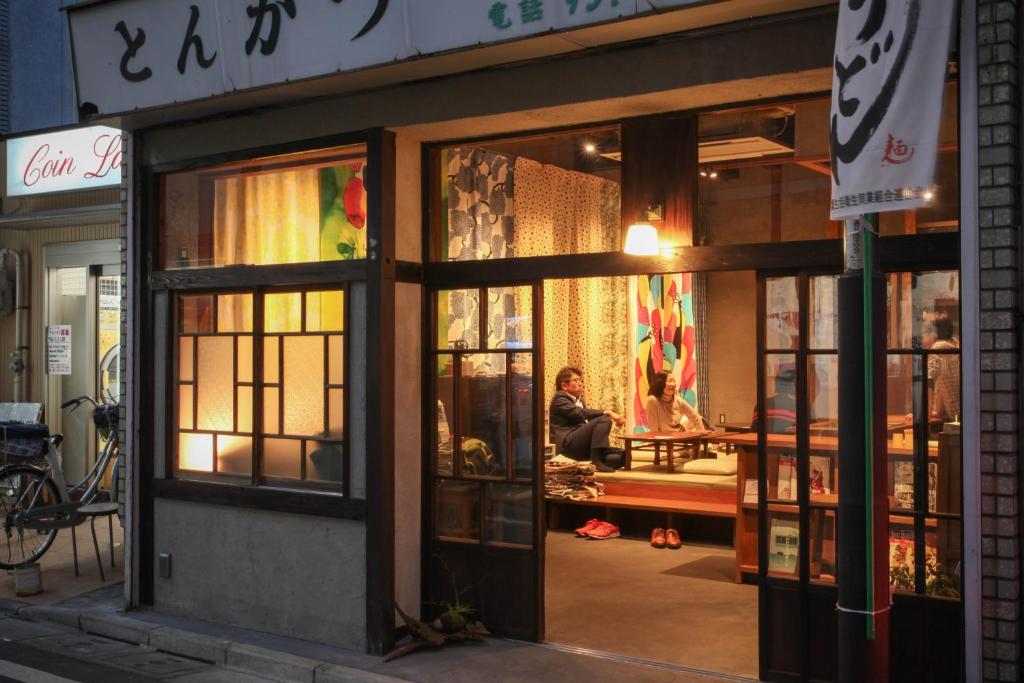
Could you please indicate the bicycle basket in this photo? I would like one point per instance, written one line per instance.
(23, 440)
(105, 418)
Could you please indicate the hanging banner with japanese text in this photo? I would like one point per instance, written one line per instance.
(138, 54)
(888, 74)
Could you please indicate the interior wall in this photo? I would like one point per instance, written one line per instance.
(732, 346)
(408, 199)
(290, 575)
(30, 243)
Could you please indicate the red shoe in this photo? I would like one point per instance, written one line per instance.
(603, 531)
(672, 539)
(589, 526)
(658, 538)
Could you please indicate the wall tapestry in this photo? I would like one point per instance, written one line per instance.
(664, 339)
(342, 213)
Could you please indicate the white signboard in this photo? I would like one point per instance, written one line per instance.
(136, 54)
(58, 349)
(79, 159)
(889, 70)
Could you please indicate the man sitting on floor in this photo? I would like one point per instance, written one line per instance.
(576, 430)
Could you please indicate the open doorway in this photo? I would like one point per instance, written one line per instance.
(667, 585)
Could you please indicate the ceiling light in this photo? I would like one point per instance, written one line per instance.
(928, 195)
(590, 148)
(713, 174)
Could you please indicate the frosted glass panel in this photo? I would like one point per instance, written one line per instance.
(303, 385)
(271, 408)
(324, 462)
(185, 359)
(216, 384)
(510, 318)
(244, 359)
(234, 454)
(245, 409)
(325, 311)
(336, 359)
(234, 313)
(336, 413)
(185, 406)
(282, 312)
(195, 452)
(281, 458)
(194, 314)
(270, 360)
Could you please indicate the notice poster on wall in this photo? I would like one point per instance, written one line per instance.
(58, 349)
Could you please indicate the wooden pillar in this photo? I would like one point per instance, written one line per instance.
(659, 168)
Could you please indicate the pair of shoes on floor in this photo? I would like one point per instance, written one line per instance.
(598, 530)
(666, 538)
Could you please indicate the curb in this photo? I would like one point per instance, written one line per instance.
(241, 657)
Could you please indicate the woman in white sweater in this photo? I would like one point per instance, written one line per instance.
(667, 411)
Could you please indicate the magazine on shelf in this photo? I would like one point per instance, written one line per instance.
(784, 547)
(903, 484)
(750, 491)
(933, 478)
(820, 474)
(785, 488)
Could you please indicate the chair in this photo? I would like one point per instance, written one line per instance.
(92, 511)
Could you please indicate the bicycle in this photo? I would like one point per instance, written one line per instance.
(35, 501)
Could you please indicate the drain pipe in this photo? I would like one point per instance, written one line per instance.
(17, 364)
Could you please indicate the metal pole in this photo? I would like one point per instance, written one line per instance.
(863, 502)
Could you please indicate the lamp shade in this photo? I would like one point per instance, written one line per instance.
(641, 240)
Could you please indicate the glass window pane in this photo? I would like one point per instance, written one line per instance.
(483, 415)
(234, 313)
(532, 197)
(185, 350)
(822, 525)
(336, 413)
(244, 358)
(271, 410)
(784, 543)
(943, 568)
(304, 385)
(457, 510)
(325, 311)
(510, 318)
(195, 314)
(780, 424)
(271, 360)
(822, 394)
(324, 462)
(282, 312)
(336, 359)
(824, 314)
(901, 554)
(445, 412)
(185, 417)
(522, 415)
(944, 472)
(234, 454)
(245, 409)
(195, 452)
(903, 386)
(216, 383)
(509, 518)
(782, 308)
(266, 211)
(458, 319)
(282, 458)
(924, 310)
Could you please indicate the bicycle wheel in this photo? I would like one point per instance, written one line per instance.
(24, 489)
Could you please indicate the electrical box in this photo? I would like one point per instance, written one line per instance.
(6, 292)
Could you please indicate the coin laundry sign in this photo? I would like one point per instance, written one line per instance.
(889, 69)
(79, 159)
(136, 54)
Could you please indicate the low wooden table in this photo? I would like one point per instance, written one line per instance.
(669, 439)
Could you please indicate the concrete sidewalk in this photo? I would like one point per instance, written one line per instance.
(285, 659)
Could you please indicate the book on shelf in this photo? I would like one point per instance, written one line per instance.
(750, 491)
(785, 486)
(784, 546)
(933, 479)
(903, 484)
(820, 475)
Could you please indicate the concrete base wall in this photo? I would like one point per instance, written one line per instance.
(290, 575)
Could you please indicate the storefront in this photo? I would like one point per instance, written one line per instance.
(351, 311)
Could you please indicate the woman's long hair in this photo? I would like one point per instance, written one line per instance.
(657, 387)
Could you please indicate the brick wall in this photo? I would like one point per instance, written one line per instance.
(999, 215)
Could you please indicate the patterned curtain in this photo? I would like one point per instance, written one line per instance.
(585, 320)
(481, 211)
(664, 339)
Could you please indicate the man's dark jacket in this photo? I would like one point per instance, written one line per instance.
(565, 416)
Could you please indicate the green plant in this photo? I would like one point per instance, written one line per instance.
(456, 612)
